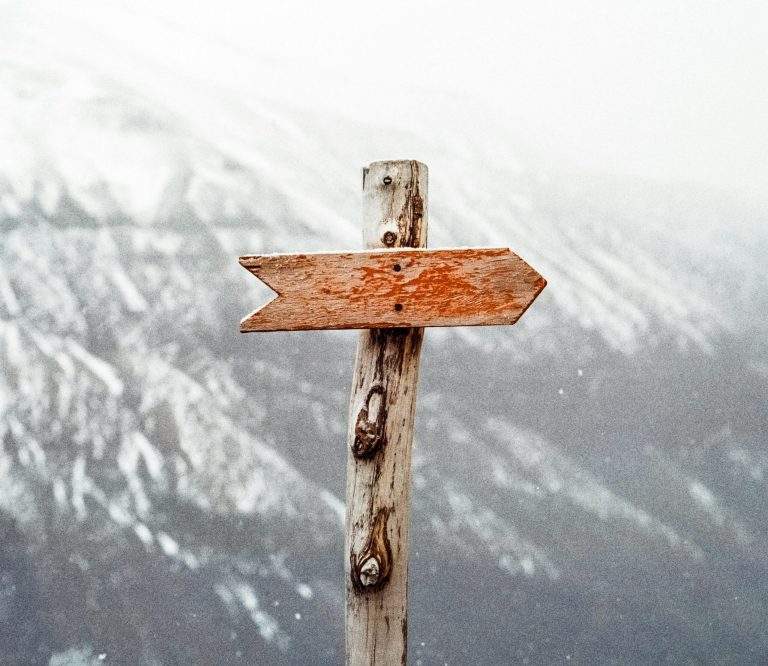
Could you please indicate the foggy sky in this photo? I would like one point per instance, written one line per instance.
(673, 91)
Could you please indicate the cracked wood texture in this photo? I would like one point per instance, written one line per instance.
(392, 289)
(382, 407)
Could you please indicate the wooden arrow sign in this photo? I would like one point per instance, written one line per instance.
(392, 289)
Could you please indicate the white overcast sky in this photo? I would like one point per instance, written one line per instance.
(674, 90)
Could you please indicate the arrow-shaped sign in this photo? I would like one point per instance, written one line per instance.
(392, 289)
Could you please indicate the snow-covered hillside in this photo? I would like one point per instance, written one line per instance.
(591, 482)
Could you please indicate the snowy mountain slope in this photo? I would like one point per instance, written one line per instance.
(114, 156)
(589, 483)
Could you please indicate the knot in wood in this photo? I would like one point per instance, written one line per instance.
(370, 433)
(369, 572)
(389, 238)
(370, 569)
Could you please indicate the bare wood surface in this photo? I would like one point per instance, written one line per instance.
(393, 289)
(382, 407)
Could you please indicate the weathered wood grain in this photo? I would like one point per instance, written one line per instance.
(382, 407)
(393, 289)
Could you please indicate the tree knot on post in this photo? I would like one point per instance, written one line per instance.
(369, 572)
(370, 435)
(389, 238)
(371, 568)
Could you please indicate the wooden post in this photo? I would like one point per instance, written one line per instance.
(382, 407)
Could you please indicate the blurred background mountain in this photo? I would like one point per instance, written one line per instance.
(590, 486)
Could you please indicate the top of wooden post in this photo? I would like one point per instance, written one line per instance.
(395, 204)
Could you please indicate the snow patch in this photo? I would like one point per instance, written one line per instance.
(100, 368)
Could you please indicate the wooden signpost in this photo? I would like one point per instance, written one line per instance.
(392, 291)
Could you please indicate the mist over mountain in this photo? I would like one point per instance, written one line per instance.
(589, 485)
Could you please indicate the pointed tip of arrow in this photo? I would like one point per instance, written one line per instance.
(538, 286)
(535, 281)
